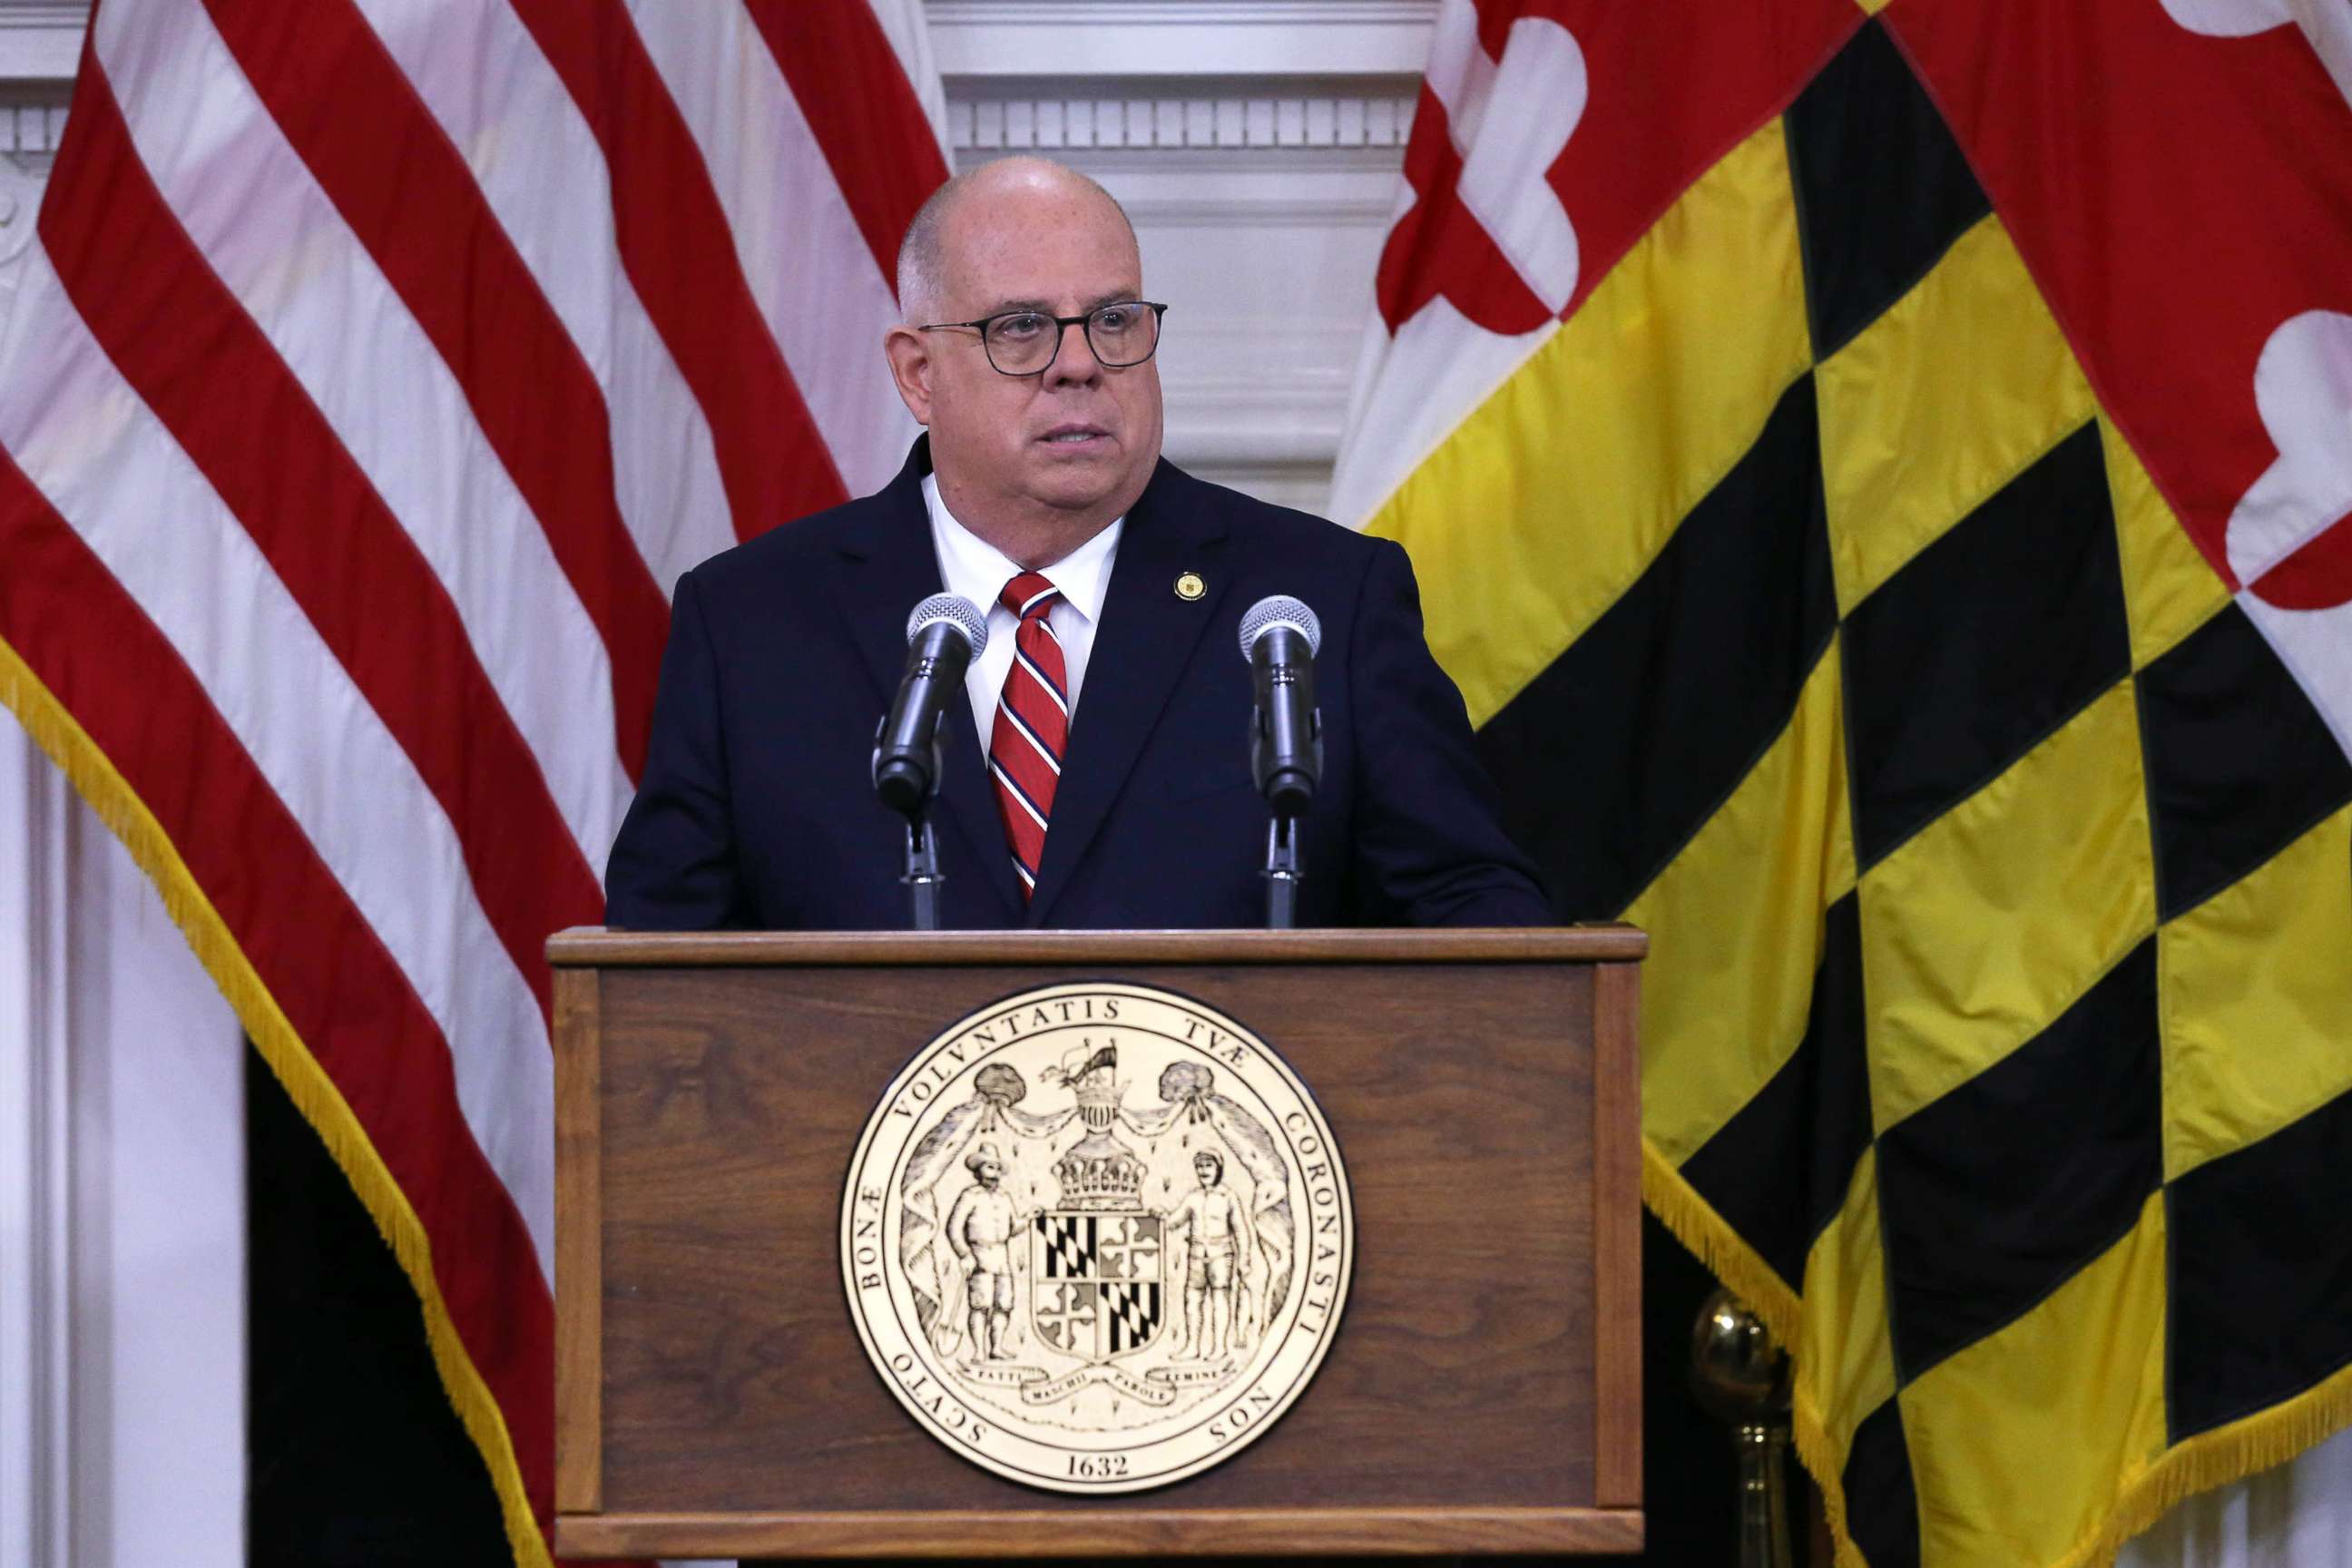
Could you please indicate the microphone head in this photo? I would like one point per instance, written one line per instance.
(956, 611)
(1280, 610)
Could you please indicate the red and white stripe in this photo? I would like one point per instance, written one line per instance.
(376, 370)
(1032, 731)
(1482, 258)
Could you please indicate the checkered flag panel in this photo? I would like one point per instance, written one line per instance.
(1069, 1247)
(1997, 867)
(1134, 1313)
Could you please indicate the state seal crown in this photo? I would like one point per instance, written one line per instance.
(1099, 1173)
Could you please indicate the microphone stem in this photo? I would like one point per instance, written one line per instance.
(923, 878)
(1283, 874)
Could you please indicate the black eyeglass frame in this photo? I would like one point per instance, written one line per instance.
(1062, 325)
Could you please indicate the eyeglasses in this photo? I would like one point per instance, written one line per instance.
(1026, 343)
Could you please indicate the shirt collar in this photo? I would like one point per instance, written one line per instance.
(971, 566)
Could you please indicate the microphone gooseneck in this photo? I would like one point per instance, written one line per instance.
(944, 635)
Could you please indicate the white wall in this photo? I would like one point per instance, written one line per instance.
(122, 1206)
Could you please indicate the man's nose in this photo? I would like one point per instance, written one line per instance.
(1074, 357)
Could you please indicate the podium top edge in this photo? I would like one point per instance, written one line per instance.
(596, 947)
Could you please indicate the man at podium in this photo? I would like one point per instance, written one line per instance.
(1095, 770)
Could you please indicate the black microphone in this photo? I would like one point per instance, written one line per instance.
(1279, 638)
(944, 635)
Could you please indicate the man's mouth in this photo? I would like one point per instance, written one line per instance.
(1074, 434)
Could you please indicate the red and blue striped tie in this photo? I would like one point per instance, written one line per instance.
(1033, 726)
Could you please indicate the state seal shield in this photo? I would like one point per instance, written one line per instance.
(1096, 1237)
(1097, 1291)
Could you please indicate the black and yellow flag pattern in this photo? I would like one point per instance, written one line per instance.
(1998, 1028)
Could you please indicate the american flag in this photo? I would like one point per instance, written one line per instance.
(379, 365)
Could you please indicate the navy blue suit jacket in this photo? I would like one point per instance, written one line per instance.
(757, 809)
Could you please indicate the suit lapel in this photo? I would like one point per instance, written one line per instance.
(1146, 638)
(894, 569)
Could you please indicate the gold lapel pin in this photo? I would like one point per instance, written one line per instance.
(1189, 587)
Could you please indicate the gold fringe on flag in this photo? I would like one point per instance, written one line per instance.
(2259, 1442)
(1730, 1259)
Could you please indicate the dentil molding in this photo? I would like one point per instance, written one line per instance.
(979, 38)
(40, 40)
(1226, 114)
(31, 121)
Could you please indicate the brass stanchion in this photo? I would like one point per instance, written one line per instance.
(1741, 1375)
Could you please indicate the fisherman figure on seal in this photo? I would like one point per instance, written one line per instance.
(979, 1227)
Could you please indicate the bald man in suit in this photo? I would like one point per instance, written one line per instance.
(1027, 354)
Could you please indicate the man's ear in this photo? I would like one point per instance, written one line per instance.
(909, 353)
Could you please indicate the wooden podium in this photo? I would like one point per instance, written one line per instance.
(1482, 1393)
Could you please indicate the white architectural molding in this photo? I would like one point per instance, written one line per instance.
(1314, 212)
(1224, 115)
(979, 38)
(20, 201)
(40, 40)
(31, 121)
(123, 1351)
(37, 1283)
(40, 49)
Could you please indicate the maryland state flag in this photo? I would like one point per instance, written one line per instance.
(1880, 476)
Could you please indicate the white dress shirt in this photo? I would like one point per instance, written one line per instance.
(976, 569)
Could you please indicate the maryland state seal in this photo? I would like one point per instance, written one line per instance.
(1096, 1237)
